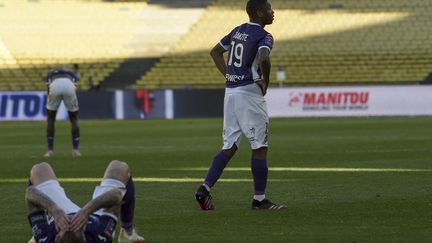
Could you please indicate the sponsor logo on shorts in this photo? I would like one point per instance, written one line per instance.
(36, 218)
(50, 219)
(102, 238)
(252, 134)
(43, 239)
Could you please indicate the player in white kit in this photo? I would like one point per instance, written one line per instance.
(247, 74)
(62, 87)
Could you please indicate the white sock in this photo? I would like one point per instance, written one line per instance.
(207, 187)
(259, 197)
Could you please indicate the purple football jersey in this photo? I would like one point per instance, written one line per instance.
(99, 229)
(242, 45)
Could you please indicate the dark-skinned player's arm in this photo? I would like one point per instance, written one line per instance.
(217, 54)
(108, 199)
(36, 200)
(265, 67)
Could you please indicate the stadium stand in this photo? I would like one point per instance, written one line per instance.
(317, 42)
(113, 42)
(118, 41)
(39, 35)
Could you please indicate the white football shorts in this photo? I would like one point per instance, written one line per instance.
(245, 111)
(53, 190)
(105, 186)
(62, 89)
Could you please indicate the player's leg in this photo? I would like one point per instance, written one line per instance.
(53, 102)
(202, 195)
(217, 166)
(117, 174)
(231, 138)
(259, 170)
(75, 132)
(254, 122)
(43, 178)
(71, 102)
(40, 173)
(50, 132)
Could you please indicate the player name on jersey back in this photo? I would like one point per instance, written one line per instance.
(241, 36)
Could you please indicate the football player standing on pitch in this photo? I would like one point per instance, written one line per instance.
(247, 74)
(61, 87)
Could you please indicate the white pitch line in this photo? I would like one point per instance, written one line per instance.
(141, 179)
(312, 169)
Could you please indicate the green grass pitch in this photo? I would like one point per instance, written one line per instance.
(344, 179)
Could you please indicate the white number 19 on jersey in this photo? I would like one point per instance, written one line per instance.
(237, 51)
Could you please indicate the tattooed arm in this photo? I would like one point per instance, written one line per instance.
(36, 200)
(109, 199)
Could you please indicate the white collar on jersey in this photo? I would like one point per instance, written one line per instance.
(252, 23)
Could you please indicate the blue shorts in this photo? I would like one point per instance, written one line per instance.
(99, 229)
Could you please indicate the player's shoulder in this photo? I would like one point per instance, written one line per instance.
(264, 32)
(55, 72)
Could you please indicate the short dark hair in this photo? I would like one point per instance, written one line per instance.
(71, 237)
(253, 6)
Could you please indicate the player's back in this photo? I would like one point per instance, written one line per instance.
(242, 45)
(61, 73)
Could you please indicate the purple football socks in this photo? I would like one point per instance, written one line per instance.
(259, 172)
(128, 206)
(50, 140)
(75, 140)
(216, 168)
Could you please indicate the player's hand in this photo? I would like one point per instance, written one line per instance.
(79, 221)
(61, 220)
(263, 86)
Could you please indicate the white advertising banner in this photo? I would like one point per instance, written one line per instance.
(350, 101)
(25, 106)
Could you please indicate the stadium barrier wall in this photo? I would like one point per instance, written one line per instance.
(120, 105)
(282, 102)
(413, 100)
(198, 103)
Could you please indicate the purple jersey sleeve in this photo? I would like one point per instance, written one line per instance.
(43, 227)
(266, 42)
(226, 41)
(99, 229)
